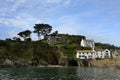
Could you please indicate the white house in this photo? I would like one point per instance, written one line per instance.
(107, 53)
(87, 43)
(103, 54)
(99, 54)
(85, 54)
(91, 54)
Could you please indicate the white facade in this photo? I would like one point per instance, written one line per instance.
(103, 54)
(107, 53)
(82, 43)
(87, 43)
(85, 54)
(90, 54)
(99, 54)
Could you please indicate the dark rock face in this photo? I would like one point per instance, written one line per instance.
(72, 63)
(85, 62)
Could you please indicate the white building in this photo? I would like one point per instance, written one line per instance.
(87, 43)
(90, 54)
(85, 54)
(103, 54)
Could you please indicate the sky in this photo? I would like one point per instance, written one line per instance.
(96, 19)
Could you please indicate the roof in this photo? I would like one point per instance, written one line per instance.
(85, 51)
(89, 40)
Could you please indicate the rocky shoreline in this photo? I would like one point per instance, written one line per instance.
(101, 63)
(113, 62)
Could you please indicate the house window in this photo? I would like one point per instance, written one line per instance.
(79, 55)
(90, 56)
(83, 56)
(106, 51)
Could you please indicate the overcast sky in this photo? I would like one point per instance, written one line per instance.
(95, 19)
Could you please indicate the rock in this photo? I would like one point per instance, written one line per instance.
(22, 62)
(8, 63)
(62, 60)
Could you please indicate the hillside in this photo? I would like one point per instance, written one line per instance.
(40, 52)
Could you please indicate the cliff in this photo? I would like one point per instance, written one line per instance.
(113, 62)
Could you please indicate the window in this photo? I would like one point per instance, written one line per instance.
(106, 51)
(83, 56)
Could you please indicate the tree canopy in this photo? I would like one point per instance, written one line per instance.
(25, 34)
(42, 29)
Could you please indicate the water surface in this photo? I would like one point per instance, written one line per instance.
(59, 73)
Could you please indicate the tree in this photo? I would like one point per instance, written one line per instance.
(42, 29)
(54, 33)
(16, 39)
(25, 34)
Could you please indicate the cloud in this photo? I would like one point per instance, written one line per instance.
(92, 18)
(50, 1)
(55, 1)
(23, 21)
(19, 23)
(11, 5)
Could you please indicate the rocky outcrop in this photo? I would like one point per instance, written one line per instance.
(85, 62)
(22, 62)
(111, 62)
(103, 63)
(62, 60)
(7, 63)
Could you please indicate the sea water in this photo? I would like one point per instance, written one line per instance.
(59, 73)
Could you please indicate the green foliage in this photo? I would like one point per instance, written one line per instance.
(72, 44)
(34, 50)
(41, 52)
(105, 46)
(25, 34)
(16, 39)
(72, 39)
(54, 33)
(42, 29)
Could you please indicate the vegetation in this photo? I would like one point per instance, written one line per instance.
(42, 29)
(24, 34)
(40, 52)
(105, 46)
